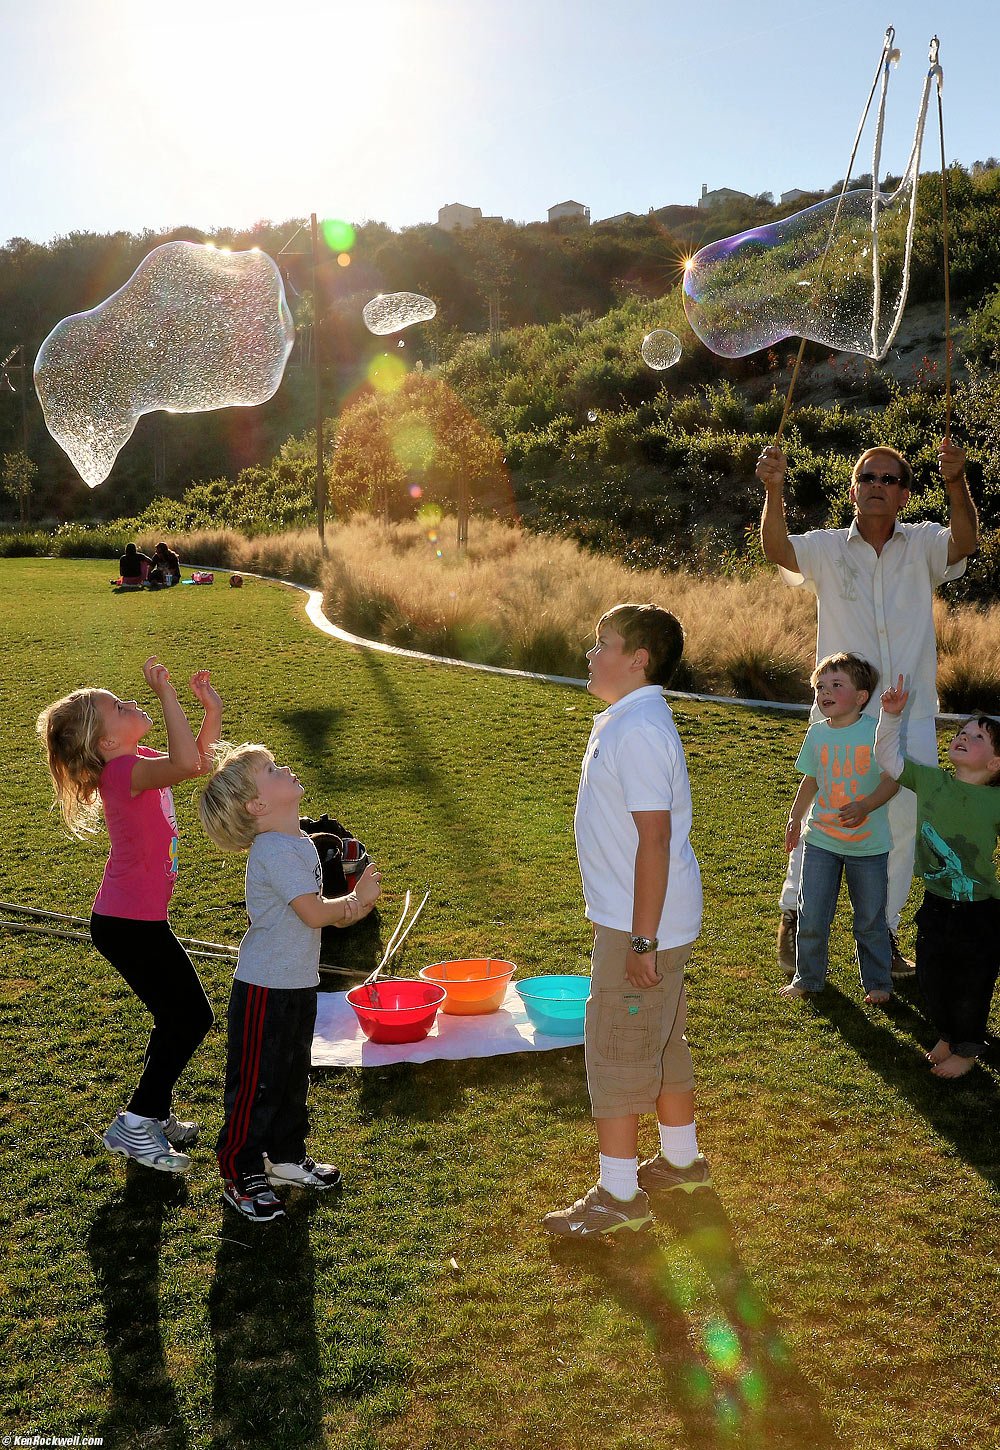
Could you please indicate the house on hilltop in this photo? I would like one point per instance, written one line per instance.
(796, 194)
(455, 217)
(720, 197)
(570, 211)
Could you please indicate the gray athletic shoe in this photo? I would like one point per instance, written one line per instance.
(146, 1144)
(787, 931)
(659, 1175)
(179, 1134)
(305, 1174)
(599, 1212)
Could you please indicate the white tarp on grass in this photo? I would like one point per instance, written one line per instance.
(339, 1041)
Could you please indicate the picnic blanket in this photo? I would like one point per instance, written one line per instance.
(339, 1042)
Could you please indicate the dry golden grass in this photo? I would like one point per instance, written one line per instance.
(530, 601)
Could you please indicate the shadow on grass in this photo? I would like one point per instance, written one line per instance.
(446, 802)
(966, 1111)
(735, 1384)
(429, 1091)
(124, 1247)
(262, 1315)
(315, 729)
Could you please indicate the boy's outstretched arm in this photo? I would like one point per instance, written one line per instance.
(887, 751)
(316, 910)
(652, 870)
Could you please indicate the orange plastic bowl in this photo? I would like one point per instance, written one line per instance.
(403, 1011)
(473, 987)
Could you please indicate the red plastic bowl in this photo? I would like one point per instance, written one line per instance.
(405, 1013)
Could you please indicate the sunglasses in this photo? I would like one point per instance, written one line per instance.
(885, 478)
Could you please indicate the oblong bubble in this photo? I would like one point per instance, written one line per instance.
(661, 349)
(393, 311)
(193, 329)
(752, 290)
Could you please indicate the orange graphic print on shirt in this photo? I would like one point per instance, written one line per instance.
(840, 776)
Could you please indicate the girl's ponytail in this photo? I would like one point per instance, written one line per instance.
(70, 730)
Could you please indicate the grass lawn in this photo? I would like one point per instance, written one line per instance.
(838, 1289)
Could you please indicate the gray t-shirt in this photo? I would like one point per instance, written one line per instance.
(279, 950)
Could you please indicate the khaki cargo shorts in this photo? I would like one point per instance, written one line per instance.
(633, 1040)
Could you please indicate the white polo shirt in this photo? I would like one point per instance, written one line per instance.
(635, 762)
(879, 606)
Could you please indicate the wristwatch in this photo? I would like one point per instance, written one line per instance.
(643, 944)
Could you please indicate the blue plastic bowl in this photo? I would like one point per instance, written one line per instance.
(555, 1005)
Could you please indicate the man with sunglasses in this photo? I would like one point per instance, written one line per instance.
(874, 584)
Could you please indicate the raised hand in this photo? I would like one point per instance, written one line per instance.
(893, 700)
(771, 466)
(204, 691)
(368, 887)
(157, 677)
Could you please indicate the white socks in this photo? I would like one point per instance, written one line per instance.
(620, 1177)
(679, 1145)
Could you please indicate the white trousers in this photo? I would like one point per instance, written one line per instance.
(918, 739)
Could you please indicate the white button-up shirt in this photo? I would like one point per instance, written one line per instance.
(879, 606)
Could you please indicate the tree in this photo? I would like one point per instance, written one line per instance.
(18, 475)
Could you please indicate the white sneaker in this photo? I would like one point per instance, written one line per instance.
(304, 1174)
(146, 1144)
(180, 1134)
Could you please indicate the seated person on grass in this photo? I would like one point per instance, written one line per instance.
(842, 797)
(166, 568)
(134, 567)
(642, 890)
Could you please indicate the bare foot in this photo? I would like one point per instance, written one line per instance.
(939, 1052)
(793, 990)
(877, 999)
(954, 1066)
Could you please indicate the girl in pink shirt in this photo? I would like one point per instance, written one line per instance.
(96, 760)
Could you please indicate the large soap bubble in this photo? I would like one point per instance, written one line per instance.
(661, 349)
(393, 311)
(836, 273)
(194, 328)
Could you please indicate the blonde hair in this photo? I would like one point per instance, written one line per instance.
(223, 800)
(70, 730)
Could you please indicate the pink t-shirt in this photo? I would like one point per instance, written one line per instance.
(142, 867)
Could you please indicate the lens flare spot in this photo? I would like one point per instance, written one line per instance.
(386, 373)
(754, 1389)
(698, 1383)
(415, 491)
(339, 236)
(722, 1345)
(343, 260)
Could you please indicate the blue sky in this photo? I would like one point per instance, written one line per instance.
(130, 114)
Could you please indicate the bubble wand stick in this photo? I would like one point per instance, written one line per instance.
(938, 74)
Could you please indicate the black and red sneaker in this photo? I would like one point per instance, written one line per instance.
(252, 1196)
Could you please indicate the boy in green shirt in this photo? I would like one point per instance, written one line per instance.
(958, 924)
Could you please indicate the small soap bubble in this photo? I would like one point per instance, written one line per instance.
(393, 311)
(592, 416)
(416, 491)
(661, 349)
(836, 273)
(193, 329)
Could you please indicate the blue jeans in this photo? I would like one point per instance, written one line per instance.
(866, 885)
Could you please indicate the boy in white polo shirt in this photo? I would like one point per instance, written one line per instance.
(642, 890)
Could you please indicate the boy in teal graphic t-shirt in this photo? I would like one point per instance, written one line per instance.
(838, 812)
